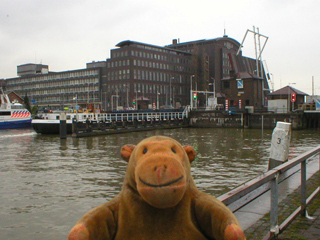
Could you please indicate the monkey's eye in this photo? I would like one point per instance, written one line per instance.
(173, 150)
(145, 150)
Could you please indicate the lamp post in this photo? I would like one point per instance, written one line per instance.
(76, 98)
(191, 101)
(158, 100)
(172, 78)
(288, 105)
(105, 101)
(88, 94)
(127, 86)
(137, 99)
(213, 90)
(214, 87)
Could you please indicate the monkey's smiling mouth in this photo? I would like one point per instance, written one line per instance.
(161, 185)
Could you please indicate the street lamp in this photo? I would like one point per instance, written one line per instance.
(213, 87)
(105, 101)
(76, 98)
(127, 86)
(191, 100)
(172, 78)
(88, 94)
(158, 100)
(138, 91)
(288, 105)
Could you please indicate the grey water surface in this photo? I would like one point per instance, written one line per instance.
(47, 183)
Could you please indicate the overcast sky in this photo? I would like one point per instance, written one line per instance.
(66, 34)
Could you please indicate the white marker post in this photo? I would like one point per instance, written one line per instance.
(280, 143)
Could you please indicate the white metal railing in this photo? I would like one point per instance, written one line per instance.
(132, 116)
(244, 194)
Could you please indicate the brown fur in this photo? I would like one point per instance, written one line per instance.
(159, 200)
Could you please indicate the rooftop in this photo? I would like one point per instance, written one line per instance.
(288, 90)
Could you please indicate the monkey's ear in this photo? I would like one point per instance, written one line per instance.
(190, 152)
(126, 151)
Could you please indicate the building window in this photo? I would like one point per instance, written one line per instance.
(226, 84)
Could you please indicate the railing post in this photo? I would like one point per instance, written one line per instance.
(274, 227)
(304, 188)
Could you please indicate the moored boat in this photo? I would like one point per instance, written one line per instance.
(13, 115)
(49, 123)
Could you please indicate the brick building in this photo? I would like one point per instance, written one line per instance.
(142, 71)
(150, 75)
(56, 90)
(219, 68)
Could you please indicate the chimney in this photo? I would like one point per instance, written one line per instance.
(174, 41)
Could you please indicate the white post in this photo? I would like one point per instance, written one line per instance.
(158, 100)
(77, 107)
(280, 143)
(191, 100)
(170, 92)
(197, 95)
(88, 94)
(111, 102)
(214, 87)
(127, 86)
(136, 100)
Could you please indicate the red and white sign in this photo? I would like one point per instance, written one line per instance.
(227, 104)
(154, 106)
(240, 104)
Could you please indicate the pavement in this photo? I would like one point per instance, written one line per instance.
(301, 228)
(255, 217)
(305, 228)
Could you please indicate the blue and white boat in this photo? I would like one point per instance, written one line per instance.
(13, 115)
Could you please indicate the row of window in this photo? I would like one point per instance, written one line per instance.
(226, 63)
(156, 49)
(150, 64)
(141, 63)
(120, 63)
(157, 76)
(145, 89)
(116, 54)
(171, 59)
(144, 75)
(58, 76)
(54, 84)
(119, 75)
(66, 90)
(92, 97)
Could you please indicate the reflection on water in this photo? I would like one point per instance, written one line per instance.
(47, 184)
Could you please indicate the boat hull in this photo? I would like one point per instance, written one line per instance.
(13, 115)
(49, 126)
(15, 124)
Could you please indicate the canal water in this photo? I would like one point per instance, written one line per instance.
(47, 183)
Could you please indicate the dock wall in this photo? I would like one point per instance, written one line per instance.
(222, 119)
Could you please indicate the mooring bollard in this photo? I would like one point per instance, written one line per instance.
(63, 125)
(280, 143)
